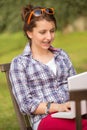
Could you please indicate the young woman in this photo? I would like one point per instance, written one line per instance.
(39, 75)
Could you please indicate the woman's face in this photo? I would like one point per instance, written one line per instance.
(42, 35)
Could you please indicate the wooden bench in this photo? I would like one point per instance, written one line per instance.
(23, 120)
(24, 124)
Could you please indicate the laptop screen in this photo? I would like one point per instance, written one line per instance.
(78, 82)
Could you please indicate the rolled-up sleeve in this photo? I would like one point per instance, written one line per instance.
(21, 89)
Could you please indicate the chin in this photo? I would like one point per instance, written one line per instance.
(46, 47)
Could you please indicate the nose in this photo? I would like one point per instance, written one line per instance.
(49, 35)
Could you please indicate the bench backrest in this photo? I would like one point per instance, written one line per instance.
(22, 119)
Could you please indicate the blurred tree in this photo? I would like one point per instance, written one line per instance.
(66, 11)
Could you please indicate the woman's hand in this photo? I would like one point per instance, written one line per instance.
(64, 107)
(54, 107)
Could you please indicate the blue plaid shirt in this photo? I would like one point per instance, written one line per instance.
(34, 82)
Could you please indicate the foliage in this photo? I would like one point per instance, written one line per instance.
(65, 10)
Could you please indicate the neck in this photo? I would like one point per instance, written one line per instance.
(39, 51)
(42, 55)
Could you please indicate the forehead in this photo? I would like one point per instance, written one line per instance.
(44, 24)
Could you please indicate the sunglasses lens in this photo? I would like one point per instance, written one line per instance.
(37, 12)
(49, 11)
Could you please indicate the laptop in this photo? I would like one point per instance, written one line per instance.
(76, 82)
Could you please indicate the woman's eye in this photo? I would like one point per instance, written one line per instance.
(42, 32)
(52, 31)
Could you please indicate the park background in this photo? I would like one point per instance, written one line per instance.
(71, 36)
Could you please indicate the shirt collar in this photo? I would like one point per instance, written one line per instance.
(27, 50)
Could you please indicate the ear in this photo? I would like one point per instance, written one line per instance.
(29, 34)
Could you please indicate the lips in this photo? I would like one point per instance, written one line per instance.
(46, 42)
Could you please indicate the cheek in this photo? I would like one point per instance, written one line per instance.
(36, 38)
(53, 36)
(39, 37)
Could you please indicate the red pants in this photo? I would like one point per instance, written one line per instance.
(50, 123)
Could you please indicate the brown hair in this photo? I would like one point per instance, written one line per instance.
(25, 15)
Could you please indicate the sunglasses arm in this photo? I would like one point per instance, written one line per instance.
(29, 18)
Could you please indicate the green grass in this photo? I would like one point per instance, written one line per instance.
(8, 120)
(12, 44)
(76, 46)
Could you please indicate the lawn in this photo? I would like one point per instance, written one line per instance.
(12, 44)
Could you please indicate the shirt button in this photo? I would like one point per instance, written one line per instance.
(62, 99)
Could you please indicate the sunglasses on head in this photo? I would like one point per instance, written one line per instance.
(39, 12)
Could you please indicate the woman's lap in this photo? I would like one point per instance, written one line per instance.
(49, 123)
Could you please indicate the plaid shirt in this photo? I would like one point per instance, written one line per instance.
(33, 82)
